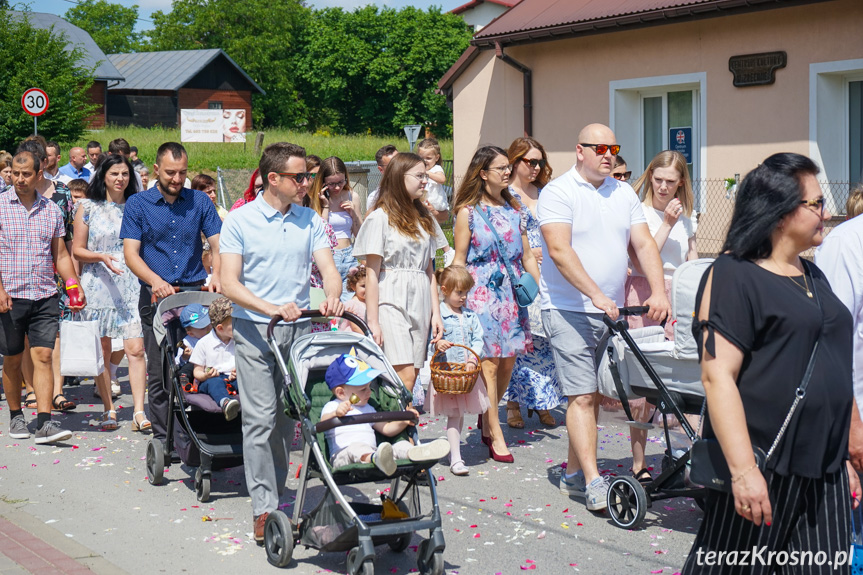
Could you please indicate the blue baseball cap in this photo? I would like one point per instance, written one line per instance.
(348, 369)
(195, 315)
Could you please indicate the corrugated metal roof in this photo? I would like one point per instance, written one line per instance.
(547, 16)
(93, 55)
(166, 70)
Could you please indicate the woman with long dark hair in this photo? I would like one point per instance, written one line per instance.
(764, 318)
(112, 290)
(506, 329)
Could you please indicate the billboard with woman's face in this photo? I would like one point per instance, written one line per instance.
(227, 125)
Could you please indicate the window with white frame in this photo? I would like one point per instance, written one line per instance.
(649, 115)
(836, 127)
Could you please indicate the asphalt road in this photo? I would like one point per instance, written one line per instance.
(502, 519)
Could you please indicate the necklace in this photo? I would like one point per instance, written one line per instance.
(804, 287)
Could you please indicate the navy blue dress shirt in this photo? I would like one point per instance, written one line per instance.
(170, 234)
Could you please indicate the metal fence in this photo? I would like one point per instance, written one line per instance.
(714, 199)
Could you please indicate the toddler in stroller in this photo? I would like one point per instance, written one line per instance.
(350, 380)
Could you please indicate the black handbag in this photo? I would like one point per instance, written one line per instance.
(708, 465)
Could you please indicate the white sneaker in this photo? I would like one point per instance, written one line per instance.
(383, 459)
(573, 486)
(429, 451)
(597, 494)
(231, 408)
(115, 389)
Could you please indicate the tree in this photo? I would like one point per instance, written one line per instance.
(377, 70)
(259, 35)
(111, 26)
(25, 51)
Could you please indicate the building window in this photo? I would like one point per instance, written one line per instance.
(649, 115)
(214, 105)
(836, 127)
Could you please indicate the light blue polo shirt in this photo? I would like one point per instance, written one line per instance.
(277, 252)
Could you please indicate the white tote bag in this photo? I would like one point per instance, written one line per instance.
(80, 349)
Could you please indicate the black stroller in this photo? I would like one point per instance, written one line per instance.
(337, 523)
(640, 362)
(197, 429)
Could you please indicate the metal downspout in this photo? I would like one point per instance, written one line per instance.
(528, 86)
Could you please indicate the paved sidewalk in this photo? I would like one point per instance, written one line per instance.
(29, 546)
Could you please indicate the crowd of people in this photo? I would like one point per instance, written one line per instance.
(588, 240)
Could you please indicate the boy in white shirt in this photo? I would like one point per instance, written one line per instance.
(350, 379)
(213, 358)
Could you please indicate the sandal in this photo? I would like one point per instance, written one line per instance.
(513, 415)
(109, 421)
(644, 477)
(144, 425)
(65, 405)
(545, 417)
(30, 403)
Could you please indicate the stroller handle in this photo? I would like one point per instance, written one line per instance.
(625, 311)
(375, 417)
(312, 313)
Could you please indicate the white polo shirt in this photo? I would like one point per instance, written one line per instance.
(211, 351)
(601, 220)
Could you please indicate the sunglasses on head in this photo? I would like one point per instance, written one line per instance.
(299, 177)
(601, 149)
(622, 176)
(534, 163)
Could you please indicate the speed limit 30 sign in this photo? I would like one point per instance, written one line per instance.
(35, 102)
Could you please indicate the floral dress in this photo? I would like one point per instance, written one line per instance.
(534, 378)
(112, 300)
(506, 328)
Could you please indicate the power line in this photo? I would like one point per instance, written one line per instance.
(136, 18)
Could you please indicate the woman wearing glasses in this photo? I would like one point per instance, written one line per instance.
(332, 197)
(760, 312)
(398, 240)
(506, 327)
(619, 172)
(534, 381)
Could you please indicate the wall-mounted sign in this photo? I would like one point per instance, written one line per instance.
(213, 125)
(680, 140)
(756, 69)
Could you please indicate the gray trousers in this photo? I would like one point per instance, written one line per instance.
(267, 431)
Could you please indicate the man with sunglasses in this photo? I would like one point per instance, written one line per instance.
(161, 234)
(267, 251)
(589, 220)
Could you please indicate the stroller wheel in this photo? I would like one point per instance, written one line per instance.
(155, 461)
(627, 502)
(202, 487)
(278, 538)
(434, 566)
(367, 568)
(402, 543)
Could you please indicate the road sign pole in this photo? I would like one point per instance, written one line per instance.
(35, 125)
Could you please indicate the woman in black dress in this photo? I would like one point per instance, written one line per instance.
(760, 309)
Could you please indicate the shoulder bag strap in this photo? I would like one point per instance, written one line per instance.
(807, 375)
(514, 279)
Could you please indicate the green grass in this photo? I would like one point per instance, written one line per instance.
(206, 157)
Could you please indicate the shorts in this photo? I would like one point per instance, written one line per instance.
(39, 320)
(578, 341)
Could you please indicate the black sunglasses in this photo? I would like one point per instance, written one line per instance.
(622, 176)
(601, 149)
(299, 177)
(534, 163)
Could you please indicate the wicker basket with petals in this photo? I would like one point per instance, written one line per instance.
(451, 377)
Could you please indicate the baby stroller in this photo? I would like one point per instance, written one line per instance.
(641, 363)
(337, 523)
(196, 426)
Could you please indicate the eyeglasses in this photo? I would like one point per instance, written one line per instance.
(534, 163)
(502, 169)
(422, 177)
(601, 149)
(299, 177)
(339, 184)
(622, 176)
(817, 204)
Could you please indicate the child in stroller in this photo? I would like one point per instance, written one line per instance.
(213, 358)
(350, 380)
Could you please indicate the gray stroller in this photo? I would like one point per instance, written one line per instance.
(337, 523)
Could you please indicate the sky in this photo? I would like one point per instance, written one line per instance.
(147, 7)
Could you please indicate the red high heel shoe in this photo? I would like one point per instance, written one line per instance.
(500, 458)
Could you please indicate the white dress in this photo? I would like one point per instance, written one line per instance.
(404, 290)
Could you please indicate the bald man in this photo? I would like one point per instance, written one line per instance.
(75, 168)
(589, 221)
